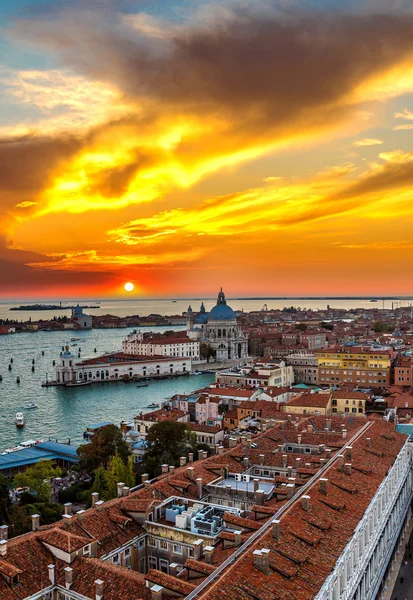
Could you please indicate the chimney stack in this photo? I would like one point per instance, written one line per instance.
(191, 457)
(262, 458)
(4, 532)
(297, 463)
(120, 487)
(276, 529)
(95, 498)
(147, 485)
(182, 461)
(290, 490)
(156, 592)
(349, 452)
(199, 491)
(52, 574)
(340, 462)
(328, 453)
(256, 484)
(368, 441)
(126, 490)
(347, 468)
(324, 485)
(99, 505)
(173, 569)
(3, 548)
(245, 462)
(344, 433)
(165, 469)
(35, 522)
(237, 538)
(284, 461)
(306, 503)
(328, 423)
(232, 442)
(68, 508)
(144, 477)
(209, 553)
(299, 438)
(98, 589)
(68, 577)
(190, 472)
(171, 469)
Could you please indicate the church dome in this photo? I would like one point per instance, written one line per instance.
(221, 312)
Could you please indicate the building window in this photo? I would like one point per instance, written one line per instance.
(115, 559)
(152, 542)
(178, 549)
(163, 545)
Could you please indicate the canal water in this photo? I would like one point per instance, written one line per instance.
(64, 413)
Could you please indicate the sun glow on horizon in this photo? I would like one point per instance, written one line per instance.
(129, 287)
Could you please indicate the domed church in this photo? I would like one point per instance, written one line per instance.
(219, 330)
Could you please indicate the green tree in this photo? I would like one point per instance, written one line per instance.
(4, 499)
(328, 326)
(301, 326)
(37, 479)
(103, 484)
(105, 444)
(206, 351)
(380, 327)
(167, 442)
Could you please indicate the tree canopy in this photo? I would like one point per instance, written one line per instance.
(37, 479)
(167, 442)
(105, 444)
(380, 327)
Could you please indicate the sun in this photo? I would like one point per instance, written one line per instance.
(129, 287)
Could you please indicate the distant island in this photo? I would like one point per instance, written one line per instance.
(48, 307)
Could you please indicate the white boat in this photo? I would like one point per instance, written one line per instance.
(77, 383)
(19, 419)
(153, 405)
(30, 405)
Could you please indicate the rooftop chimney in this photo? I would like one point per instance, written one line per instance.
(68, 508)
(156, 592)
(120, 487)
(68, 576)
(52, 574)
(35, 522)
(3, 548)
(95, 498)
(245, 462)
(324, 485)
(199, 491)
(147, 485)
(126, 490)
(171, 469)
(99, 505)
(347, 468)
(182, 461)
(328, 423)
(190, 472)
(165, 468)
(305, 502)
(262, 560)
(299, 438)
(191, 457)
(221, 449)
(262, 458)
(232, 442)
(349, 452)
(290, 490)
(344, 433)
(340, 462)
(256, 484)
(276, 529)
(284, 461)
(368, 441)
(4, 532)
(209, 553)
(328, 453)
(98, 589)
(144, 477)
(237, 538)
(297, 463)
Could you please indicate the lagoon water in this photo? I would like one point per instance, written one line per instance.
(123, 308)
(64, 413)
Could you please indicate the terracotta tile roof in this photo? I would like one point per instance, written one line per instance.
(64, 540)
(311, 542)
(8, 569)
(309, 400)
(161, 415)
(347, 394)
(241, 522)
(205, 428)
(169, 582)
(200, 567)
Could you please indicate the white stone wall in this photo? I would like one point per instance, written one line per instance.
(360, 569)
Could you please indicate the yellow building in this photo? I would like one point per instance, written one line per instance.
(361, 366)
(344, 402)
(309, 404)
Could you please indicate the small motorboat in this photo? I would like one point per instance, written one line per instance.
(30, 405)
(143, 385)
(153, 405)
(75, 339)
(18, 380)
(77, 383)
(19, 419)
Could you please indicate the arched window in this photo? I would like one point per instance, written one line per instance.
(90, 375)
(224, 333)
(219, 333)
(97, 374)
(102, 375)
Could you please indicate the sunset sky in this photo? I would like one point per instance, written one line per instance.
(183, 145)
